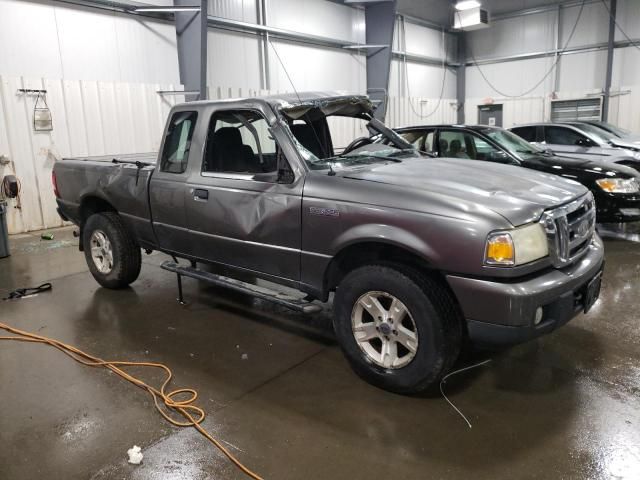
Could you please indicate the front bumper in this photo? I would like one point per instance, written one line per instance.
(617, 207)
(503, 312)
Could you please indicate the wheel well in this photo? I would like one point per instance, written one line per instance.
(91, 205)
(88, 207)
(367, 253)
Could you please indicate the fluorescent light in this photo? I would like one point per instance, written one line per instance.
(467, 4)
(168, 9)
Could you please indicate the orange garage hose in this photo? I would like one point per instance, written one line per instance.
(193, 414)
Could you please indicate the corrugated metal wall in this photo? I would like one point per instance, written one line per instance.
(89, 118)
(579, 74)
(54, 40)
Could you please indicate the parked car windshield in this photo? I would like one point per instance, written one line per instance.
(620, 132)
(596, 133)
(512, 142)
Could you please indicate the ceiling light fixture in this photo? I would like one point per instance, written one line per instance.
(467, 5)
(186, 8)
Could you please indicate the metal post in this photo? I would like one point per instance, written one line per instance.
(556, 58)
(380, 20)
(264, 46)
(180, 295)
(609, 74)
(461, 81)
(191, 35)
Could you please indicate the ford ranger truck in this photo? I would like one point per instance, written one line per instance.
(421, 253)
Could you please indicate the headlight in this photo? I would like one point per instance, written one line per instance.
(516, 247)
(618, 185)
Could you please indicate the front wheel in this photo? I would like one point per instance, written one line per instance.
(111, 252)
(399, 329)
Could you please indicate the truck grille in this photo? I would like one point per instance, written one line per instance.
(570, 229)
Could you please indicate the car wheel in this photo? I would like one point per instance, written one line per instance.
(399, 329)
(111, 252)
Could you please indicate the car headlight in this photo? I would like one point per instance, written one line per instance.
(618, 185)
(518, 246)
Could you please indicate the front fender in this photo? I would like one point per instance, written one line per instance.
(388, 234)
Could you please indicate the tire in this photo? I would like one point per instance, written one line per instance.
(431, 311)
(125, 259)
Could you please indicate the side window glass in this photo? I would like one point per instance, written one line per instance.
(177, 142)
(420, 140)
(484, 150)
(455, 144)
(561, 136)
(527, 133)
(239, 141)
(427, 142)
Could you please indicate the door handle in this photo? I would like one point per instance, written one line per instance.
(200, 195)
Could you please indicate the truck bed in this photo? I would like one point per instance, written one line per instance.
(148, 157)
(83, 181)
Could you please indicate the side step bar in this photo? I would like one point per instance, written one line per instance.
(267, 294)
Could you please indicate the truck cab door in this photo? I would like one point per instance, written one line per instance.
(168, 182)
(243, 201)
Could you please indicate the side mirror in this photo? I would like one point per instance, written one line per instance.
(284, 175)
(498, 156)
(267, 177)
(583, 142)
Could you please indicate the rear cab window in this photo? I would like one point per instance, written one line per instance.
(177, 142)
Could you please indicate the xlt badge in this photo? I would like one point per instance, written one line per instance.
(325, 212)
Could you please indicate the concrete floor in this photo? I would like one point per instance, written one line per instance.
(564, 406)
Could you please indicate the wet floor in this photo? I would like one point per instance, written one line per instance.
(282, 398)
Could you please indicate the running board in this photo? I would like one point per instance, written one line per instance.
(280, 298)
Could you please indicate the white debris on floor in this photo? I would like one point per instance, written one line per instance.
(135, 455)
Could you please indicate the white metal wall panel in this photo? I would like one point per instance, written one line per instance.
(317, 17)
(243, 10)
(623, 108)
(626, 65)
(511, 78)
(89, 118)
(312, 68)
(593, 26)
(233, 59)
(404, 111)
(524, 34)
(426, 41)
(628, 17)
(423, 80)
(582, 71)
(63, 41)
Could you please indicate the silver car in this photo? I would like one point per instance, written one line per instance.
(619, 132)
(577, 140)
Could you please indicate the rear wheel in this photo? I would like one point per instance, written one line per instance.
(399, 329)
(112, 254)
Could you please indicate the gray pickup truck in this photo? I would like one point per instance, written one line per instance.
(422, 253)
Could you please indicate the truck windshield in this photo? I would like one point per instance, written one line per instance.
(339, 134)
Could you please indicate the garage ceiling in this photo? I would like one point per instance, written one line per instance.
(440, 11)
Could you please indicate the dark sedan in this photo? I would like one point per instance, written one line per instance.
(616, 188)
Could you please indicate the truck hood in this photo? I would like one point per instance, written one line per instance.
(517, 194)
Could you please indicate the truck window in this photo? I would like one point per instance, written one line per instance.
(239, 141)
(177, 142)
